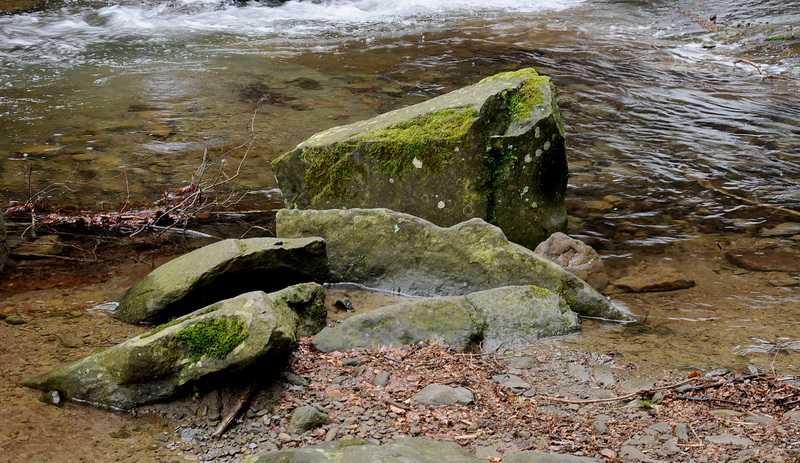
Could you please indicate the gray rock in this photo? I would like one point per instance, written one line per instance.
(579, 372)
(670, 447)
(228, 336)
(632, 453)
(405, 450)
(515, 383)
(661, 428)
(729, 439)
(533, 456)
(599, 427)
(494, 150)
(576, 257)
(462, 322)
(383, 249)
(522, 363)
(381, 378)
(603, 375)
(682, 432)
(222, 270)
(438, 394)
(793, 415)
(306, 418)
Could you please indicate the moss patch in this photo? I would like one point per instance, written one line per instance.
(524, 98)
(216, 338)
(352, 442)
(427, 142)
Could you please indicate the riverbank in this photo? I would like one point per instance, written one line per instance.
(48, 306)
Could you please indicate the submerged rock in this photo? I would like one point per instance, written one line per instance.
(404, 450)
(222, 270)
(390, 250)
(654, 278)
(494, 150)
(494, 319)
(225, 337)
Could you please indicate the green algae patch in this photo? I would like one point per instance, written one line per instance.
(427, 142)
(216, 338)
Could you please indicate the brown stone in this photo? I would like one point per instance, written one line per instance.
(765, 260)
(654, 279)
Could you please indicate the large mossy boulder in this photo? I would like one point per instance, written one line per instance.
(406, 450)
(494, 150)
(390, 250)
(222, 270)
(217, 340)
(495, 319)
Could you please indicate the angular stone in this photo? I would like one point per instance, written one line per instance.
(403, 450)
(228, 336)
(576, 257)
(438, 394)
(515, 383)
(390, 250)
(729, 439)
(463, 322)
(494, 150)
(222, 270)
(306, 418)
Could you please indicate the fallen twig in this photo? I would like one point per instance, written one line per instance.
(622, 397)
(223, 426)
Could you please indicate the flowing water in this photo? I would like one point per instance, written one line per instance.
(678, 135)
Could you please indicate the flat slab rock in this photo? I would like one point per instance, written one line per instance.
(390, 250)
(495, 319)
(222, 270)
(653, 279)
(765, 260)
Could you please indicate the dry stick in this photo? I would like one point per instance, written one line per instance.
(706, 184)
(745, 61)
(243, 400)
(622, 397)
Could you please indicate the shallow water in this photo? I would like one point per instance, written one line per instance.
(670, 141)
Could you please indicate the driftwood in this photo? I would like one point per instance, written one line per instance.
(244, 399)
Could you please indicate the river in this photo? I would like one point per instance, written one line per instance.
(680, 129)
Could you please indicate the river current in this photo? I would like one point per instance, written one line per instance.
(679, 125)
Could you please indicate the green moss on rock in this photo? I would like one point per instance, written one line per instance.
(216, 338)
(426, 142)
